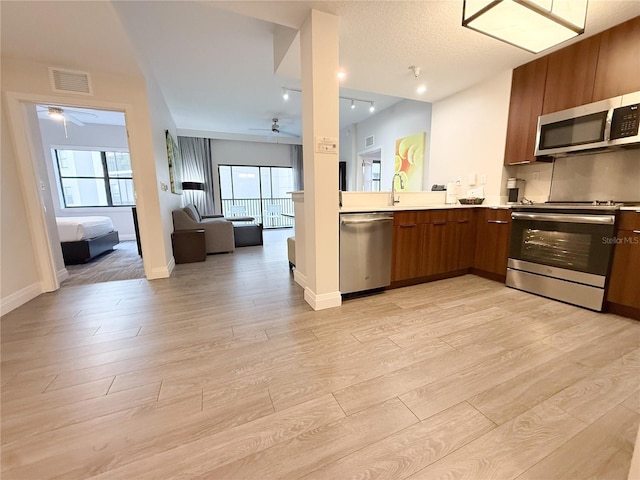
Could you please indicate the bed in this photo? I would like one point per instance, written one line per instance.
(84, 238)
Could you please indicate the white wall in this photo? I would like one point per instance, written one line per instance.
(230, 152)
(161, 120)
(400, 120)
(101, 137)
(347, 146)
(469, 133)
(19, 281)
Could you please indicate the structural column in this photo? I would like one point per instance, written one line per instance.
(320, 130)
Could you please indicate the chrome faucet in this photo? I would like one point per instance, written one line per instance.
(393, 188)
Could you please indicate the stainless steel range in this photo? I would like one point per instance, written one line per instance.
(563, 251)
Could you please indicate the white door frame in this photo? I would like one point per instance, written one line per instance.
(23, 139)
(359, 166)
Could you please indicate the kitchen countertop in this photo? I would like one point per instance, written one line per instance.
(400, 208)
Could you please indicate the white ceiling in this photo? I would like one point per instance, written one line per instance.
(214, 61)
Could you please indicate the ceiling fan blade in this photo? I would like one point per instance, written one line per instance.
(73, 119)
(289, 134)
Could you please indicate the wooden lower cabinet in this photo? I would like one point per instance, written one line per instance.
(407, 247)
(432, 243)
(492, 242)
(407, 250)
(437, 254)
(465, 236)
(623, 289)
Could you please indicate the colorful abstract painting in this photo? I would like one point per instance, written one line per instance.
(175, 164)
(409, 164)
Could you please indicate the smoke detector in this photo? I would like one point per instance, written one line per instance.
(416, 71)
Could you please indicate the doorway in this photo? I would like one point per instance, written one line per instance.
(34, 177)
(90, 177)
(370, 162)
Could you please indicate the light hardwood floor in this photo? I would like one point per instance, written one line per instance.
(222, 371)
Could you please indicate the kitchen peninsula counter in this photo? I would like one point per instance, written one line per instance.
(401, 208)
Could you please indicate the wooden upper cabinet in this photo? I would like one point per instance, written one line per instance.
(618, 70)
(571, 75)
(527, 96)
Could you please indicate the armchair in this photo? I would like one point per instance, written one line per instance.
(218, 231)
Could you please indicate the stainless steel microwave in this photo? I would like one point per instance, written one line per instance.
(596, 126)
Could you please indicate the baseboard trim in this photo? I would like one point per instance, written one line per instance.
(162, 272)
(300, 278)
(623, 310)
(22, 296)
(62, 275)
(430, 278)
(322, 301)
(496, 277)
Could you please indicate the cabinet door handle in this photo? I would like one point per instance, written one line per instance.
(463, 221)
(407, 225)
(439, 223)
(501, 222)
(636, 231)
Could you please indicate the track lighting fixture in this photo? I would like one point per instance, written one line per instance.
(372, 107)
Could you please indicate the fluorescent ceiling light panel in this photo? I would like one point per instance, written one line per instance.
(532, 25)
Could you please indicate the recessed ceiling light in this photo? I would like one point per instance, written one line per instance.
(353, 104)
(421, 89)
(285, 94)
(372, 107)
(342, 75)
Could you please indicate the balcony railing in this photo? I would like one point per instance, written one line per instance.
(271, 212)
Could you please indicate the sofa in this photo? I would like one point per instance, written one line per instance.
(218, 232)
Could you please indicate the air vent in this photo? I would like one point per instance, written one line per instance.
(70, 81)
(369, 141)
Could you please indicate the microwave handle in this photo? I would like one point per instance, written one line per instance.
(607, 125)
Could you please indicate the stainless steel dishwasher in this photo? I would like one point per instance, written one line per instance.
(365, 251)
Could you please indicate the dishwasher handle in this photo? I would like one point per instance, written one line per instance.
(367, 220)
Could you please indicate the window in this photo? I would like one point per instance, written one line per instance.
(95, 178)
(259, 192)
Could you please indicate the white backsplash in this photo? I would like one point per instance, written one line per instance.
(603, 176)
(383, 199)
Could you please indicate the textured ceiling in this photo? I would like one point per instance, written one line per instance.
(214, 61)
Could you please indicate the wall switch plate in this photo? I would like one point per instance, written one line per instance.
(471, 180)
(483, 179)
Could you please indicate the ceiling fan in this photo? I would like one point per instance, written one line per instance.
(275, 129)
(72, 115)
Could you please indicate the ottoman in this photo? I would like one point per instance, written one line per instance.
(247, 235)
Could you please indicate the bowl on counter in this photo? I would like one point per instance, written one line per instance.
(471, 201)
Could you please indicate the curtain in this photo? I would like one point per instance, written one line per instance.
(197, 166)
(298, 171)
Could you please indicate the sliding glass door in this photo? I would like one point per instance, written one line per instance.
(258, 192)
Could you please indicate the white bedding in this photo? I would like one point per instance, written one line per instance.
(72, 229)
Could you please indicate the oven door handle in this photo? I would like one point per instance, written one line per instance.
(565, 217)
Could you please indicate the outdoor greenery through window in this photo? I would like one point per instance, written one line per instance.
(95, 178)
